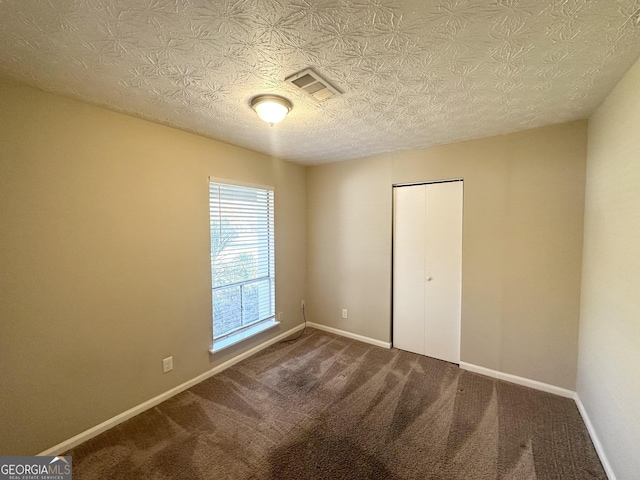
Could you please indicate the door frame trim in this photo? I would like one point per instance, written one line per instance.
(427, 182)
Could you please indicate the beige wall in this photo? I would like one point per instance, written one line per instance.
(524, 199)
(609, 359)
(349, 233)
(104, 261)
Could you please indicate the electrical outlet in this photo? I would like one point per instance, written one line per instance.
(301, 303)
(344, 313)
(279, 316)
(167, 364)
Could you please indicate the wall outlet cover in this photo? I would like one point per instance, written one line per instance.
(167, 364)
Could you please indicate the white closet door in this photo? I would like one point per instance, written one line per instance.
(427, 269)
(408, 274)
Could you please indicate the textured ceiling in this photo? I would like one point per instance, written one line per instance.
(414, 73)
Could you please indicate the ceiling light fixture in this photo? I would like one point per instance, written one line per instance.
(271, 108)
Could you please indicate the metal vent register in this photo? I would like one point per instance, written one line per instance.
(312, 84)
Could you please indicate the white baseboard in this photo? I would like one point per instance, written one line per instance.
(594, 438)
(507, 377)
(132, 412)
(354, 336)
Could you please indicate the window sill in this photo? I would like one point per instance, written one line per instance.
(240, 336)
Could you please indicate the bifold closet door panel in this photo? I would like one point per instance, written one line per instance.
(408, 270)
(443, 288)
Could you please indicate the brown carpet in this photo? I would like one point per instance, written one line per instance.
(326, 407)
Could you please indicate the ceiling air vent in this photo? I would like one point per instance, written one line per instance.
(312, 84)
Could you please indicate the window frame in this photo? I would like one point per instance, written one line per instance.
(244, 332)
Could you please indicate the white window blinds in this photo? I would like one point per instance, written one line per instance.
(242, 257)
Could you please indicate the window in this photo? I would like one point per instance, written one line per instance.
(242, 261)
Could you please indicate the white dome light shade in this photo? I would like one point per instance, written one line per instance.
(271, 108)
